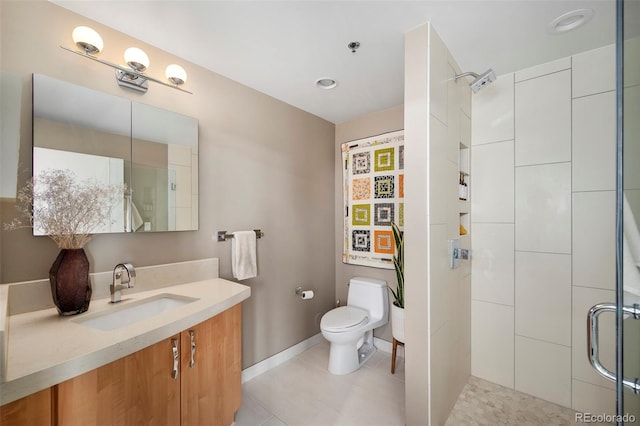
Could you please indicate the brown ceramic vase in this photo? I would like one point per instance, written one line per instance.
(70, 285)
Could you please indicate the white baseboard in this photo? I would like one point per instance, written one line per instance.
(387, 347)
(277, 359)
(382, 345)
(273, 361)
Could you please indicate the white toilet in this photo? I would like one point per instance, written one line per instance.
(349, 328)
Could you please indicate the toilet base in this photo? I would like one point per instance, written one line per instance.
(345, 359)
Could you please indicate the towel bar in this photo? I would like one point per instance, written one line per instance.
(222, 235)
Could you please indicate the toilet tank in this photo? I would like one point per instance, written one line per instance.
(370, 294)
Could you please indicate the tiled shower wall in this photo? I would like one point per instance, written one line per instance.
(543, 167)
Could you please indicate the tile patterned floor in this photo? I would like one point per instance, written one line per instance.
(302, 392)
(483, 403)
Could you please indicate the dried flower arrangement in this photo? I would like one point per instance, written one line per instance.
(66, 209)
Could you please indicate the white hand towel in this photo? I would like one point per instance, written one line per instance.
(631, 231)
(132, 218)
(630, 269)
(630, 250)
(136, 218)
(243, 255)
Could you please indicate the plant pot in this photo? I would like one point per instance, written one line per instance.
(397, 322)
(70, 285)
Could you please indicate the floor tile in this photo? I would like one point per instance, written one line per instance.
(488, 404)
(302, 392)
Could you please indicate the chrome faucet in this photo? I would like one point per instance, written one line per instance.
(118, 285)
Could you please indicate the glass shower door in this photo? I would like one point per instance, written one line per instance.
(627, 304)
(628, 289)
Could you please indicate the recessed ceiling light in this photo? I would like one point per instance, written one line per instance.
(570, 21)
(326, 83)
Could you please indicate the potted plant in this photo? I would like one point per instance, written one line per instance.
(397, 307)
(68, 211)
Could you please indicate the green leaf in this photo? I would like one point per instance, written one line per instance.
(398, 263)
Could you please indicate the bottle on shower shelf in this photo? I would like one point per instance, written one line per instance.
(463, 189)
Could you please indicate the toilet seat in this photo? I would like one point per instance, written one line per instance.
(343, 318)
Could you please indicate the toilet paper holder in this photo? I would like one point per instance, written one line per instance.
(304, 294)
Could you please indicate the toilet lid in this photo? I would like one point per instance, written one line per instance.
(342, 318)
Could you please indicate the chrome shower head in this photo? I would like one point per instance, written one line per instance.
(480, 81)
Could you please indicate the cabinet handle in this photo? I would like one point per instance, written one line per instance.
(192, 362)
(176, 358)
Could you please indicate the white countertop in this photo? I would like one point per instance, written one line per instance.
(45, 349)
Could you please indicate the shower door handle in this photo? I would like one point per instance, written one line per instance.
(592, 341)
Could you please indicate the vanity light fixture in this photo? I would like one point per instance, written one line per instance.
(176, 74)
(138, 61)
(131, 76)
(88, 40)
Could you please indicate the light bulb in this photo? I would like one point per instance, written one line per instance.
(87, 39)
(136, 59)
(176, 74)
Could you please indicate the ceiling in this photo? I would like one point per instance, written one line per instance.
(281, 47)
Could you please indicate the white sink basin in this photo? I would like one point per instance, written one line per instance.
(124, 313)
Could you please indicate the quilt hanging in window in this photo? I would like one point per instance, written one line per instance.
(373, 172)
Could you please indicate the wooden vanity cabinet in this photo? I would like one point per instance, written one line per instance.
(135, 390)
(140, 389)
(211, 387)
(34, 409)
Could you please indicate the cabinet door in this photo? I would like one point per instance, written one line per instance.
(34, 409)
(211, 387)
(135, 390)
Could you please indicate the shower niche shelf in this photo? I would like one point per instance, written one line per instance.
(464, 176)
(464, 224)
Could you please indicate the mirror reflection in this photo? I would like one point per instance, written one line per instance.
(112, 140)
(164, 170)
(85, 132)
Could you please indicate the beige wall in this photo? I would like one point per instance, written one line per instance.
(255, 157)
(437, 306)
(52, 134)
(361, 127)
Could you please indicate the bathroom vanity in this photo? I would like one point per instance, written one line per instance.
(178, 366)
(149, 386)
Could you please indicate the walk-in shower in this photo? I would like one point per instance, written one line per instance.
(481, 80)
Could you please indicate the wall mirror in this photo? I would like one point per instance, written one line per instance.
(164, 173)
(114, 140)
